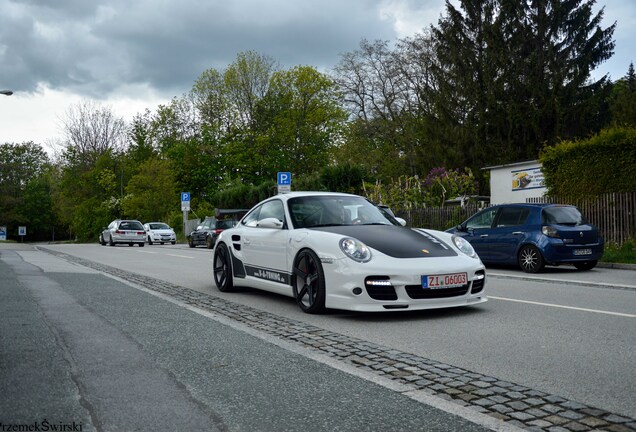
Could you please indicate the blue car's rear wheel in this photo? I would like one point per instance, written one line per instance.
(530, 259)
(308, 282)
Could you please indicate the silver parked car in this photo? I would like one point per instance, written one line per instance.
(159, 232)
(126, 231)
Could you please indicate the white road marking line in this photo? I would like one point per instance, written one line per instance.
(564, 307)
(180, 256)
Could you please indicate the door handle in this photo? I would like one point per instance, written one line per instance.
(517, 233)
(483, 235)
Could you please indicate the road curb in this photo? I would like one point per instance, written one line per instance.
(620, 266)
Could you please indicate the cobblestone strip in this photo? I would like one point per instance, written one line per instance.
(512, 403)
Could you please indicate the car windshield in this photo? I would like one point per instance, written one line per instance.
(565, 215)
(157, 226)
(130, 225)
(332, 210)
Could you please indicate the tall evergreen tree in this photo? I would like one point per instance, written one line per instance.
(623, 101)
(514, 75)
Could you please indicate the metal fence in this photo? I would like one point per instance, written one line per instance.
(614, 214)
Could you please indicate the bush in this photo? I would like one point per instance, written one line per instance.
(604, 163)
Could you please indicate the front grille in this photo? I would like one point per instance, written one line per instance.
(478, 284)
(381, 291)
(416, 292)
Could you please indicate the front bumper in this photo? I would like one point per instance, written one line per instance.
(346, 287)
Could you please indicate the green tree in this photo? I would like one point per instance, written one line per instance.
(22, 171)
(623, 100)
(299, 122)
(514, 76)
(151, 194)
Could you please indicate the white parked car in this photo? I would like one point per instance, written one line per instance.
(127, 231)
(159, 232)
(339, 251)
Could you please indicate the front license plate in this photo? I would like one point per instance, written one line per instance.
(582, 251)
(444, 281)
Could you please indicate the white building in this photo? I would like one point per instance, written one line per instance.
(513, 183)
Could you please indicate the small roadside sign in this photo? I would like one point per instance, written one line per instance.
(284, 182)
(185, 201)
(3, 233)
(21, 231)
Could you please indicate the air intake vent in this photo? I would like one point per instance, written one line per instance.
(380, 288)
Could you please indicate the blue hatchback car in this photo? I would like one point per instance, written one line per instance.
(532, 236)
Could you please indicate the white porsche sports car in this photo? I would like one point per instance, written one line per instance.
(339, 251)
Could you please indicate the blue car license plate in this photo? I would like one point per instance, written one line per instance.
(444, 281)
(582, 251)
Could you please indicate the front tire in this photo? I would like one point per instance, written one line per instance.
(190, 242)
(308, 282)
(149, 241)
(209, 242)
(587, 265)
(223, 269)
(530, 259)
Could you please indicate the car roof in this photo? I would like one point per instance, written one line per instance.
(534, 205)
(297, 194)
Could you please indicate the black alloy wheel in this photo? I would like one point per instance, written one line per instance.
(222, 263)
(530, 259)
(308, 282)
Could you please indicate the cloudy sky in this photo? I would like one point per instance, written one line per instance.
(132, 55)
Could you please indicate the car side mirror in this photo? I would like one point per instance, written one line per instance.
(401, 221)
(461, 228)
(270, 223)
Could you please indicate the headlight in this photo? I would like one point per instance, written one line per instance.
(463, 245)
(356, 250)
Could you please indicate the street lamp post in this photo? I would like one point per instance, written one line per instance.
(6, 92)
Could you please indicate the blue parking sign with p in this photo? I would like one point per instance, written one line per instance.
(185, 196)
(284, 178)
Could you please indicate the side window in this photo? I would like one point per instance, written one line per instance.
(251, 219)
(482, 220)
(272, 209)
(512, 216)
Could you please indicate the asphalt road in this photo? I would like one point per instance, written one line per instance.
(564, 333)
(82, 351)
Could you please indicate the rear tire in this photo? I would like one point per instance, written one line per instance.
(142, 244)
(101, 240)
(110, 241)
(530, 259)
(222, 269)
(308, 282)
(209, 242)
(190, 243)
(587, 265)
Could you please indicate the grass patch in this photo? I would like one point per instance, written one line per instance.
(625, 253)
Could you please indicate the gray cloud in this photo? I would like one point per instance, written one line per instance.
(94, 47)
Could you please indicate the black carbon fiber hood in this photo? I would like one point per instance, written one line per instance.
(395, 241)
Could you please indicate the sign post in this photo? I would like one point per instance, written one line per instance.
(185, 208)
(21, 233)
(284, 182)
